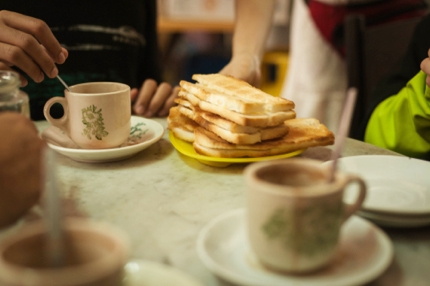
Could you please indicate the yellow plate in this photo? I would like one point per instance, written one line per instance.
(187, 149)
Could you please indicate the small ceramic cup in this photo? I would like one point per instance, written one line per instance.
(95, 255)
(97, 115)
(294, 214)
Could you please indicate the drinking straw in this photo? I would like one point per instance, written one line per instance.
(53, 212)
(344, 124)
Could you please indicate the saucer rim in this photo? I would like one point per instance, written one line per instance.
(236, 277)
(389, 210)
(385, 220)
(112, 149)
(185, 278)
(113, 154)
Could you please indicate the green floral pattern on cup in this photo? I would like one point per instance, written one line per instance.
(94, 125)
(309, 230)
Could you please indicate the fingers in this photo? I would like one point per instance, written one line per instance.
(29, 44)
(154, 99)
(133, 94)
(163, 92)
(15, 56)
(147, 90)
(164, 111)
(24, 51)
(425, 67)
(39, 29)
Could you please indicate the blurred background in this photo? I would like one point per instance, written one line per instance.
(195, 37)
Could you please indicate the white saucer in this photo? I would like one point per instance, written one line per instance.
(148, 273)
(395, 221)
(364, 253)
(144, 132)
(397, 185)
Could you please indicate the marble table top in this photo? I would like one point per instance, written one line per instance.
(162, 199)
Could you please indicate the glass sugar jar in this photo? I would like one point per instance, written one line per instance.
(11, 97)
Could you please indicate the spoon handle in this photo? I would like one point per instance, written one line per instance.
(62, 81)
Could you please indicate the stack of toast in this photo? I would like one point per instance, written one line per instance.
(226, 117)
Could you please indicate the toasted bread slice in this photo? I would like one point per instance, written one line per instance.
(183, 94)
(214, 118)
(184, 102)
(232, 103)
(233, 137)
(225, 123)
(274, 132)
(303, 133)
(239, 92)
(188, 112)
(269, 119)
(180, 125)
(267, 133)
(263, 120)
(244, 138)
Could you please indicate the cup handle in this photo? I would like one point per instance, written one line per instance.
(350, 209)
(62, 122)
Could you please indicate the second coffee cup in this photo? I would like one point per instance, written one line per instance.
(295, 213)
(96, 114)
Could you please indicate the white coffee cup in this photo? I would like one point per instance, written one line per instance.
(294, 214)
(97, 115)
(95, 256)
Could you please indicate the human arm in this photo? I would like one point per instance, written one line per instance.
(252, 24)
(28, 43)
(402, 121)
(20, 166)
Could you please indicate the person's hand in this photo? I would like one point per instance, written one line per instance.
(29, 44)
(244, 67)
(153, 99)
(425, 67)
(20, 166)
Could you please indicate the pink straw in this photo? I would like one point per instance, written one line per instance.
(345, 122)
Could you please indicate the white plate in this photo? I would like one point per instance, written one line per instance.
(148, 273)
(396, 185)
(395, 221)
(144, 132)
(364, 253)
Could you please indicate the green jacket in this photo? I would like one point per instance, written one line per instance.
(402, 122)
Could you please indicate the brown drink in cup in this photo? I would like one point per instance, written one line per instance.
(94, 255)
